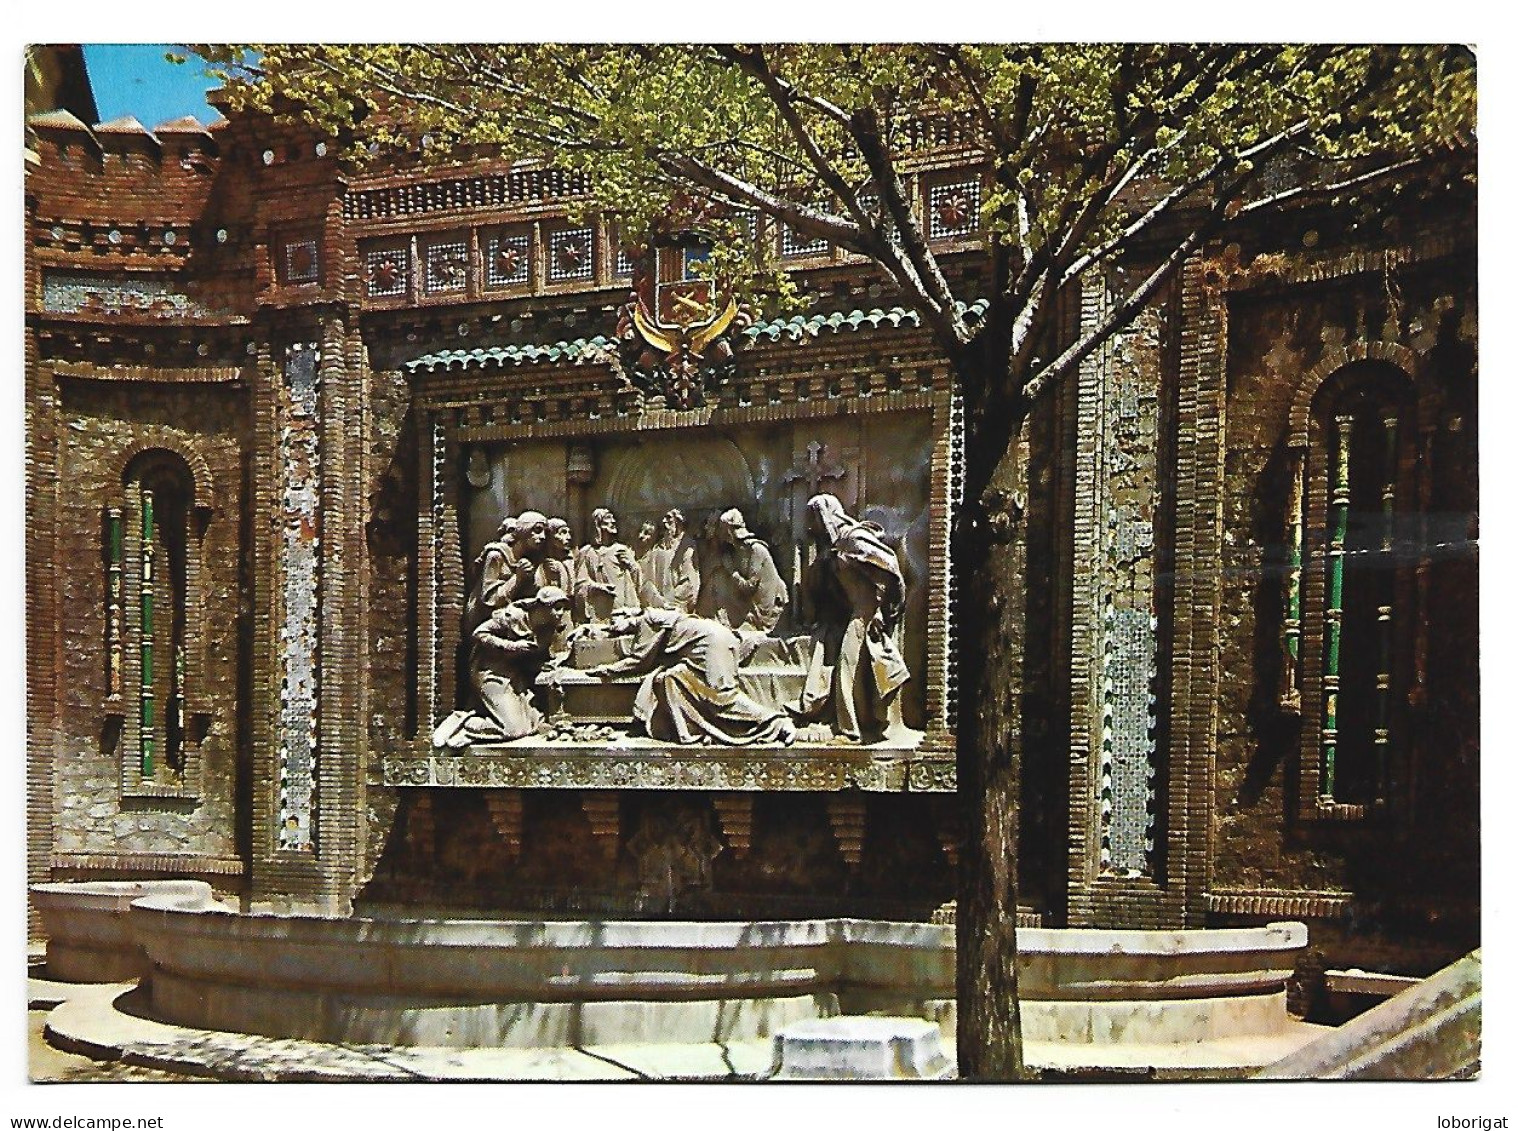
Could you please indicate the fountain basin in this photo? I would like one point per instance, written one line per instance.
(89, 938)
(479, 983)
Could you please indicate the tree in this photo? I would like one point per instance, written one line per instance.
(1103, 163)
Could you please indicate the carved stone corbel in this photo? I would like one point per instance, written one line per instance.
(506, 808)
(846, 815)
(735, 813)
(604, 810)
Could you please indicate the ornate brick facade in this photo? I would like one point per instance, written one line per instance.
(327, 352)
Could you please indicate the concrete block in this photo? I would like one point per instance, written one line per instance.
(860, 1048)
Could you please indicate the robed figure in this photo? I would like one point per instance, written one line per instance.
(690, 691)
(510, 649)
(606, 573)
(858, 593)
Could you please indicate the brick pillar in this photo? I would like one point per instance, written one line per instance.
(42, 630)
(1198, 570)
(342, 733)
(1120, 865)
(309, 562)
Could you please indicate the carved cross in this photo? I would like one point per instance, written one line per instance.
(814, 473)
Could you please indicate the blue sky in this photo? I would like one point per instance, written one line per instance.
(136, 79)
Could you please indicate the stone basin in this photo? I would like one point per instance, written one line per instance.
(487, 983)
(88, 936)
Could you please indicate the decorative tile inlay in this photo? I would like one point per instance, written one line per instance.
(301, 263)
(300, 567)
(1127, 788)
(447, 266)
(434, 577)
(387, 271)
(1132, 537)
(70, 292)
(508, 260)
(571, 255)
(950, 581)
(953, 209)
(795, 244)
(1120, 394)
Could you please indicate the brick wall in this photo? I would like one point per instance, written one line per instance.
(103, 423)
(1287, 324)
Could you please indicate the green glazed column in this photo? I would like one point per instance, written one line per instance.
(1333, 613)
(146, 721)
(1291, 620)
(114, 582)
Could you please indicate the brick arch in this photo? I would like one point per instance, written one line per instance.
(1392, 353)
(200, 471)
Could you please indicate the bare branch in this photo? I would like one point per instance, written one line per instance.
(932, 289)
(1139, 297)
(1348, 184)
(1169, 200)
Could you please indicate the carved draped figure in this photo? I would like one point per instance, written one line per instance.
(671, 579)
(508, 654)
(606, 579)
(690, 692)
(495, 565)
(760, 594)
(858, 592)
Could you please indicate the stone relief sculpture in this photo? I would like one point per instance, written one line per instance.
(756, 594)
(556, 568)
(530, 543)
(495, 563)
(682, 643)
(690, 690)
(857, 589)
(671, 577)
(510, 649)
(606, 573)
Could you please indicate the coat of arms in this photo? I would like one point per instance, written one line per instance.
(681, 312)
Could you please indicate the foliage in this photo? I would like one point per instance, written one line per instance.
(1093, 152)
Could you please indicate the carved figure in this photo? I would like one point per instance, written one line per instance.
(671, 578)
(495, 563)
(556, 568)
(531, 548)
(606, 575)
(858, 592)
(510, 649)
(690, 689)
(674, 852)
(756, 595)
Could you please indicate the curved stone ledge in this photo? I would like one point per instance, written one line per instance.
(89, 938)
(465, 983)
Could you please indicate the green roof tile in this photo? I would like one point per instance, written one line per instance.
(797, 328)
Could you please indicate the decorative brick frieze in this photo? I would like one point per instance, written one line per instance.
(1285, 904)
(148, 863)
(493, 190)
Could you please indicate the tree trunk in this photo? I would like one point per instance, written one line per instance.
(989, 556)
